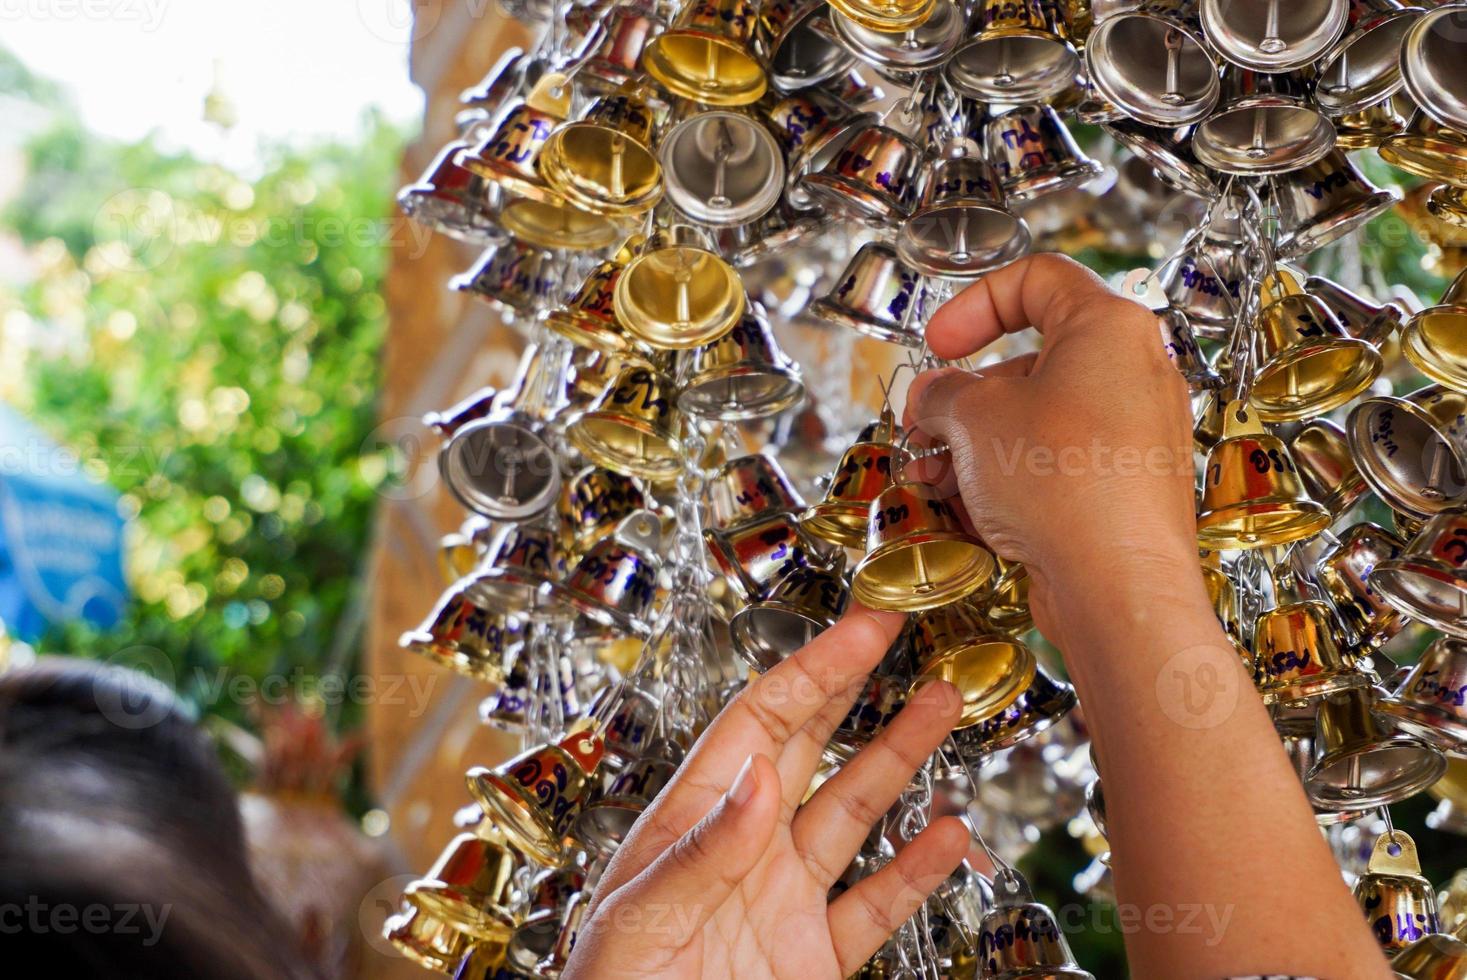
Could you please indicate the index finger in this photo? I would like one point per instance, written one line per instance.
(1042, 291)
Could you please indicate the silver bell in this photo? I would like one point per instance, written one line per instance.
(741, 376)
(870, 177)
(1206, 285)
(1412, 450)
(1434, 64)
(452, 199)
(513, 278)
(1154, 64)
(1018, 52)
(1364, 68)
(1363, 318)
(1273, 35)
(613, 41)
(722, 167)
(960, 228)
(501, 467)
(801, 53)
(922, 48)
(877, 295)
(1325, 201)
(801, 605)
(1263, 125)
(1035, 154)
(614, 585)
(1184, 352)
(751, 488)
(1019, 938)
(1168, 152)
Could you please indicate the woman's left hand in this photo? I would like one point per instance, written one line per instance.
(726, 874)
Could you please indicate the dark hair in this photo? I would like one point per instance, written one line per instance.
(121, 848)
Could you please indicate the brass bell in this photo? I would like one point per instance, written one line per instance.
(1431, 64)
(1168, 152)
(1364, 68)
(1035, 154)
(892, 16)
(1298, 655)
(1307, 363)
(923, 47)
(1271, 35)
(535, 797)
(1428, 149)
(512, 277)
(877, 295)
(1448, 204)
(1325, 201)
(608, 815)
(1205, 285)
(1182, 349)
(865, 469)
(1251, 494)
(603, 163)
(1153, 62)
(615, 582)
(1371, 126)
(707, 54)
(1264, 124)
(1397, 901)
(430, 942)
(1044, 703)
(1221, 593)
(594, 501)
(1413, 450)
(960, 228)
(1432, 957)
(723, 167)
(950, 644)
(741, 376)
(870, 177)
(1431, 703)
(753, 556)
(751, 488)
(1321, 451)
(466, 634)
(1019, 938)
(470, 886)
(607, 60)
(588, 318)
(1356, 765)
(797, 607)
(1016, 53)
(917, 554)
(1363, 318)
(519, 559)
(676, 293)
(1432, 340)
(880, 701)
(1342, 573)
(1005, 606)
(459, 551)
(451, 199)
(632, 426)
(1450, 816)
(801, 53)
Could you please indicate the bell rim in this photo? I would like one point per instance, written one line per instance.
(523, 585)
(1362, 139)
(564, 181)
(894, 25)
(1408, 567)
(459, 483)
(509, 179)
(742, 632)
(586, 330)
(1370, 467)
(595, 236)
(415, 948)
(1042, 718)
(519, 952)
(841, 192)
(1312, 687)
(1421, 91)
(1015, 247)
(1333, 29)
(1170, 165)
(1430, 723)
(835, 521)
(1051, 178)
(1146, 111)
(521, 824)
(1365, 369)
(940, 49)
(1424, 357)
(1432, 767)
(655, 63)
(1336, 223)
(1221, 532)
(492, 923)
(1452, 212)
(598, 612)
(589, 828)
(863, 325)
(998, 698)
(1373, 92)
(976, 572)
(1042, 88)
(788, 389)
(1426, 156)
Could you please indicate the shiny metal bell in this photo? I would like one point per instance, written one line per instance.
(593, 502)
(452, 199)
(1363, 318)
(1397, 901)
(1428, 149)
(893, 16)
(632, 426)
(588, 318)
(507, 709)
(1431, 703)
(459, 551)
(949, 643)
(1043, 705)
(571, 920)
(1308, 364)
(801, 53)
(708, 55)
(607, 61)
(722, 167)
(608, 816)
(871, 177)
(1371, 126)
(1005, 606)
(918, 556)
(924, 47)
(1298, 655)
(1321, 451)
(1432, 64)
(1358, 766)
(519, 559)
(781, 230)
(815, 145)
(801, 605)
(1019, 938)
(865, 469)
(1432, 957)
(603, 163)
(1153, 62)
(1264, 124)
(1206, 285)
(1168, 152)
(877, 295)
(630, 725)
(880, 701)
(753, 556)
(512, 277)
(960, 227)
(1017, 53)
(1342, 573)
(1364, 68)
(751, 488)
(1429, 581)
(1413, 450)
(1448, 204)
(741, 376)
(1325, 201)
(1222, 594)
(615, 582)
(1273, 35)
(1035, 154)
(535, 797)
(430, 942)
(1182, 349)
(1435, 340)
(509, 156)
(470, 886)
(551, 892)
(1251, 495)
(501, 467)
(676, 293)
(467, 633)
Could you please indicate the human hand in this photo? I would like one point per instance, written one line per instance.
(726, 874)
(1076, 460)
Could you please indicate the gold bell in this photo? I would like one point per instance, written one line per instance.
(917, 554)
(1432, 957)
(1017, 53)
(676, 293)
(891, 16)
(1342, 572)
(801, 51)
(1222, 593)
(1321, 451)
(1429, 580)
(615, 582)
(430, 942)
(870, 178)
(632, 426)
(799, 606)
(960, 228)
(754, 555)
(1307, 363)
(603, 163)
(1449, 204)
(594, 501)
(1326, 201)
(1264, 124)
(1153, 62)
(609, 814)
(512, 277)
(865, 469)
(1363, 318)
(1251, 495)
(1035, 153)
(470, 886)
(1044, 703)
(465, 635)
(1298, 656)
(1356, 765)
(950, 644)
(1431, 703)
(509, 157)
(751, 488)
(1428, 149)
(877, 295)
(1005, 606)
(708, 54)
(588, 318)
(1371, 126)
(519, 559)
(741, 376)
(1433, 340)
(535, 797)
(1412, 449)
(1019, 938)
(459, 551)
(508, 708)
(1397, 901)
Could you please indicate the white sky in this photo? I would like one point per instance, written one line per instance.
(291, 68)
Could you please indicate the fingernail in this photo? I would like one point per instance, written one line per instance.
(743, 784)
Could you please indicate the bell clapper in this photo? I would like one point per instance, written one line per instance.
(618, 155)
(720, 167)
(1436, 470)
(1003, 78)
(1173, 95)
(682, 277)
(710, 79)
(1272, 43)
(1259, 149)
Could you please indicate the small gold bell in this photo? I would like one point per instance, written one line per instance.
(676, 293)
(1321, 451)
(949, 643)
(632, 426)
(615, 583)
(430, 942)
(917, 554)
(1298, 656)
(592, 503)
(1397, 902)
(1342, 572)
(1433, 340)
(753, 556)
(707, 54)
(1356, 765)
(466, 634)
(866, 469)
(534, 797)
(471, 886)
(1043, 705)
(602, 163)
(588, 318)
(1427, 149)
(1431, 703)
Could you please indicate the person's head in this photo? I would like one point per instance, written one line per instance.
(121, 849)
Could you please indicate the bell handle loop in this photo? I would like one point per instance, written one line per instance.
(1394, 853)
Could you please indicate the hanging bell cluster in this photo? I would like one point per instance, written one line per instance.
(678, 486)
